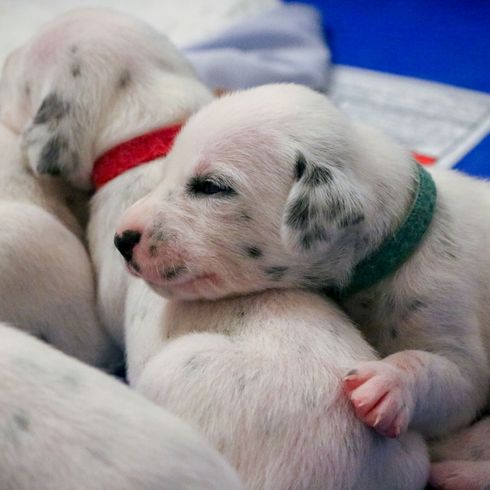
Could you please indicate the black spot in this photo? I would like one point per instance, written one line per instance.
(277, 272)
(22, 421)
(298, 213)
(306, 241)
(172, 273)
(49, 159)
(75, 70)
(27, 89)
(352, 220)
(394, 333)
(300, 166)
(244, 216)
(352, 372)
(74, 48)
(194, 363)
(417, 304)
(318, 176)
(336, 208)
(241, 314)
(159, 235)
(253, 252)
(153, 250)
(124, 79)
(53, 108)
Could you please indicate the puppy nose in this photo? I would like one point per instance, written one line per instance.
(126, 242)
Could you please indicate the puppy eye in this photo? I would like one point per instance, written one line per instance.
(205, 186)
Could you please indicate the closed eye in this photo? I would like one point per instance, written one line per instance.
(209, 186)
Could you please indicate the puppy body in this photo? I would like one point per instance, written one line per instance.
(97, 78)
(273, 187)
(47, 284)
(260, 376)
(65, 425)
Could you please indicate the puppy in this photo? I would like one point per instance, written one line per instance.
(260, 376)
(90, 80)
(65, 425)
(46, 279)
(274, 188)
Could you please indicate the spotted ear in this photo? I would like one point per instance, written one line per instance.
(322, 203)
(56, 141)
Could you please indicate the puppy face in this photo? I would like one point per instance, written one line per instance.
(253, 197)
(91, 79)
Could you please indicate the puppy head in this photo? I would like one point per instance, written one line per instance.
(91, 79)
(258, 189)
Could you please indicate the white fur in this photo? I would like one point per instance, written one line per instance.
(316, 194)
(46, 279)
(65, 425)
(318, 443)
(260, 376)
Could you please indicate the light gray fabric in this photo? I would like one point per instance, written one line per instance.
(284, 44)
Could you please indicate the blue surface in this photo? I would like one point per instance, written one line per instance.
(441, 40)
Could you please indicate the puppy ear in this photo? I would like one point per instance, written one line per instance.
(55, 141)
(322, 203)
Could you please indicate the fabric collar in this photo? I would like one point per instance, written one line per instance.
(397, 248)
(131, 153)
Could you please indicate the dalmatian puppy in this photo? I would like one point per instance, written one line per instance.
(90, 80)
(274, 188)
(65, 425)
(46, 278)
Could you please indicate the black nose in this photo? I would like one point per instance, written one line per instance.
(126, 242)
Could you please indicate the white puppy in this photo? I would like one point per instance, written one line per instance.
(273, 187)
(46, 279)
(90, 80)
(65, 425)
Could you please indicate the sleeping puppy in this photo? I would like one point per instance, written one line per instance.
(65, 425)
(274, 188)
(96, 78)
(46, 279)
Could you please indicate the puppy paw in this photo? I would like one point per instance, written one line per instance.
(460, 475)
(381, 397)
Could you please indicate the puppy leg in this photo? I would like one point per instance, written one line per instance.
(413, 388)
(461, 475)
(468, 444)
(47, 285)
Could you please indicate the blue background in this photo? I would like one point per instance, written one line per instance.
(446, 41)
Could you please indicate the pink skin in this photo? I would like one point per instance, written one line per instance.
(162, 276)
(381, 395)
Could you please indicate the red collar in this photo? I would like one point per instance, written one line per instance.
(132, 153)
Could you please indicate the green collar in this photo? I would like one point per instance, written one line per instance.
(397, 248)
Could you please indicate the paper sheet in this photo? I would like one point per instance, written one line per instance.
(440, 123)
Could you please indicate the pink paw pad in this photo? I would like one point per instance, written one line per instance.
(380, 396)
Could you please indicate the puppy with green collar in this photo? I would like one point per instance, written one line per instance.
(274, 188)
